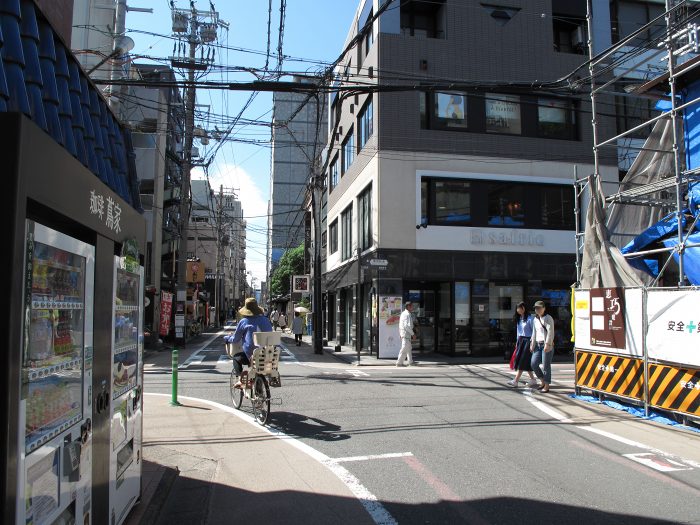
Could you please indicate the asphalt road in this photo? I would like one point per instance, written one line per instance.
(453, 444)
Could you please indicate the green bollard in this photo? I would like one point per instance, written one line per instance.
(175, 363)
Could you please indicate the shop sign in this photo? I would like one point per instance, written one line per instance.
(506, 238)
(389, 316)
(195, 272)
(301, 283)
(166, 308)
(674, 326)
(609, 320)
(608, 317)
(107, 210)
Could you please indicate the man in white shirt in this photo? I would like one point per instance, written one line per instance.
(406, 334)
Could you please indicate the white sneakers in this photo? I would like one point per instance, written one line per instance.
(512, 383)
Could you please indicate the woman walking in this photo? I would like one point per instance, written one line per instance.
(523, 357)
(297, 328)
(542, 345)
(282, 321)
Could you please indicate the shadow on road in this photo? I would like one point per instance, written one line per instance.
(299, 425)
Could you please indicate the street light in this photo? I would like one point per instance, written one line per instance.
(122, 45)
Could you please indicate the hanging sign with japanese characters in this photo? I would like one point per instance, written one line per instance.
(673, 318)
(609, 320)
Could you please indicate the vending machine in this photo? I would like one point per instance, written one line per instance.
(72, 373)
(56, 379)
(127, 381)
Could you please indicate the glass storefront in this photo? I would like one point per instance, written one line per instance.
(477, 317)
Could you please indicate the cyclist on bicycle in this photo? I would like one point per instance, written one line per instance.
(253, 319)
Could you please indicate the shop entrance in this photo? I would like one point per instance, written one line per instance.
(432, 309)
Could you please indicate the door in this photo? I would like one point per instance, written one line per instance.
(423, 298)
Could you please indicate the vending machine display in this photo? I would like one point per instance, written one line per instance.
(126, 438)
(56, 376)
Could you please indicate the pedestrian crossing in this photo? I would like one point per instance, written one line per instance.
(216, 358)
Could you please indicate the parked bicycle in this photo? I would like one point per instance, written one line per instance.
(262, 374)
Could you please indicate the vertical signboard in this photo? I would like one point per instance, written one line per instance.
(607, 318)
(389, 315)
(674, 326)
(166, 308)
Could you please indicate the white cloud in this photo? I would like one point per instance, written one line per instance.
(253, 192)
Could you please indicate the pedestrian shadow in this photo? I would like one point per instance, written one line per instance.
(299, 425)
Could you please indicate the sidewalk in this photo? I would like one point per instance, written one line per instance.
(348, 355)
(203, 464)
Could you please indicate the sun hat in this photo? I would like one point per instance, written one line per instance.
(539, 304)
(251, 308)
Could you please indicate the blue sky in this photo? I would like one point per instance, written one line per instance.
(314, 29)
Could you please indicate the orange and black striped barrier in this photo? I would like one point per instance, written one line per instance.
(613, 374)
(674, 388)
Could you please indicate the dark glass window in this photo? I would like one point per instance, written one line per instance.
(452, 202)
(333, 237)
(569, 26)
(503, 114)
(556, 118)
(556, 207)
(506, 206)
(333, 174)
(346, 234)
(348, 152)
(423, 18)
(364, 216)
(366, 123)
(496, 204)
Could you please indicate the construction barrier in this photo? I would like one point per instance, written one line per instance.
(618, 330)
(612, 374)
(673, 388)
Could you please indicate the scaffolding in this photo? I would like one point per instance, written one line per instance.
(645, 65)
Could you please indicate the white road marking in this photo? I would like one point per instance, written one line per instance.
(373, 456)
(368, 500)
(356, 373)
(656, 462)
(198, 356)
(686, 464)
(545, 408)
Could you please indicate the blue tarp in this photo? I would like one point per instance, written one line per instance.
(635, 411)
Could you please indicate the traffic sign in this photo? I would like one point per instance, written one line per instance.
(378, 262)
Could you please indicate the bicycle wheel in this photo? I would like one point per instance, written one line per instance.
(236, 393)
(261, 399)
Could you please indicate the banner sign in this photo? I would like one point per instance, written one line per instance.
(166, 309)
(609, 320)
(673, 318)
(389, 314)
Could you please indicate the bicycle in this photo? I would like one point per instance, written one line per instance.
(262, 373)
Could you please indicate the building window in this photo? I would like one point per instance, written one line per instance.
(364, 219)
(569, 26)
(452, 202)
(324, 239)
(451, 110)
(423, 18)
(503, 114)
(346, 234)
(628, 16)
(631, 112)
(556, 118)
(333, 174)
(556, 207)
(496, 204)
(333, 237)
(366, 124)
(506, 204)
(348, 152)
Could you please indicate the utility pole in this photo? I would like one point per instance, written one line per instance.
(191, 22)
(219, 240)
(317, 315)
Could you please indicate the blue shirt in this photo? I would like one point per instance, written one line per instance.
(245, 329)
(525, 327)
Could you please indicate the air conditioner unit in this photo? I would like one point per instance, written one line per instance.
(579, 40)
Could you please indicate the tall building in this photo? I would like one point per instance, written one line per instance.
(466, 191)
(298, 135)
(156, 115)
